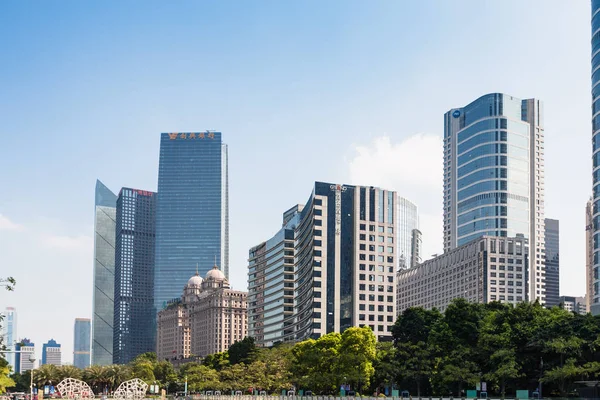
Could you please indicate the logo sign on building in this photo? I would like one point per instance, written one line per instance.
(338, 206)
(191, 135)
(456, 113)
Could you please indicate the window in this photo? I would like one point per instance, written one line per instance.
(390, 229)
(371, 247)
(371, 228)
(390, 239)
(362, 246)
(362, 277)
(371, 288)
(371, 238)
(380, 268)
(361, 287)
(390, 249)
(371, 278)
(371, 307)
(362, 267)
(390, 309)
(380, 239)
(363, 236)
(363, 227)
(380, 249)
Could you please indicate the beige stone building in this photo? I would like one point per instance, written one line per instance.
(209, 317)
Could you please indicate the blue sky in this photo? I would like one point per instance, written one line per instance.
(340, 91)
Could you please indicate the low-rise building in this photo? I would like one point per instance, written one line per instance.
(575, 304)
(484, 270)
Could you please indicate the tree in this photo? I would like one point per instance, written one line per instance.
(201, 377)
(315, 363)
(242, 351)
(385, 365)
(356, 355)
(5, 380)
(164, 373)
(96, 377)
(117, 374)
(216, 361)
(45, 374)
(69, 371)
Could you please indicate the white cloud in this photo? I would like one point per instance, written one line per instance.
(412, 167)
(7, 225)
(67, 242)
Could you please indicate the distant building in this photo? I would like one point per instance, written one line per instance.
(81, 343)
(27, 351)
(208, 319)
(416, 246)
(9, 333)
(134, 316)
(494, 176)
(192, 210)
(408, 227)
(51, 353)
(552, 262)
(104, 275)
(484, 270)
(574, 304)
(592, 294)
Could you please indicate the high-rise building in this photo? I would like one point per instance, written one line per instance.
(81, 343)
(483, 270)
(589, 254)
(209, 317)
(104, 275)
(271, 283)
(552, 262)
(416, 248)
(408, 223)
(344, 258)
(494, 176)
(192, 210)
(51, 353)
(26, 351)
(9, 333)
(574, 304)
(594, 295)
(134, 331)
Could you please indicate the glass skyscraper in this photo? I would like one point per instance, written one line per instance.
(494, 176)
(134, 331)
(9, 333)
(595, 284)
(552, 262)
(192, 211)
(104, 275)
(408, 222)
(81, 343)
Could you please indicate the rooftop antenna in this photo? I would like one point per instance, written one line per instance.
(197, 269)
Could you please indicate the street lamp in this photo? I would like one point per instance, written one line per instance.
(32, 360)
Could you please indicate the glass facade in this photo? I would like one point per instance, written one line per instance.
(552, 262)
(192, 211)
(81, 343)
(134, 333)
(51, 353)
(9, 333)
(594, 287)
(493, 175)
(104, 275)
(408, 222)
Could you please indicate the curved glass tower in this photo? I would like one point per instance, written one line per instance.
(493, 176)
(595, 294)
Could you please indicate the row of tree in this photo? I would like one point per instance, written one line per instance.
(432, 353)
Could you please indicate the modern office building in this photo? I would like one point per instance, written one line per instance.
(9, 333)
(594, 296)
(23, 359)
(494, 176)
(483, 270)
(208, 319)
(134, 331)
(573, 304)
(416, 248)
(552, 262)
(104, 275)
(345, 260)
(589, 254)
(192, 210)
(81, 342)
(51, 353)
(408, 226)
(271, 285)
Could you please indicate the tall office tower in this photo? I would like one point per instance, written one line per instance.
(552, 262)
(9, 333)
(416, 248)
(594, 296)
(104, 275)
(494, 176)
(344, 263)
(81, 343)
(134, 331)
(589, 255)
(408, 221)
(192, 210)
(51, 353)
(26, 351)
(271, 284)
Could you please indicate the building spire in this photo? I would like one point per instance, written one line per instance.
(197, 274)
(215, 267)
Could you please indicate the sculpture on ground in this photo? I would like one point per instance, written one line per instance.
(134, 389)
(74, 389)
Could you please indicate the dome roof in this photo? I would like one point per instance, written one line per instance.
(215, 274)
(195, 280)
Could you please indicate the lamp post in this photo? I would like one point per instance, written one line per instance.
(32, 360)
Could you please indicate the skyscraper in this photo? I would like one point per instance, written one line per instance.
(104, 275)
(494, 176)
(81, 343)
(408, 222)
(134, 331)
(589, 254)
(23, 359)
(552, 262)
(192, 210)
(594, 296)
(9, 333)
(51, 353)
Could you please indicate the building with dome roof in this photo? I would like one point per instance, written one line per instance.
(208, 318)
